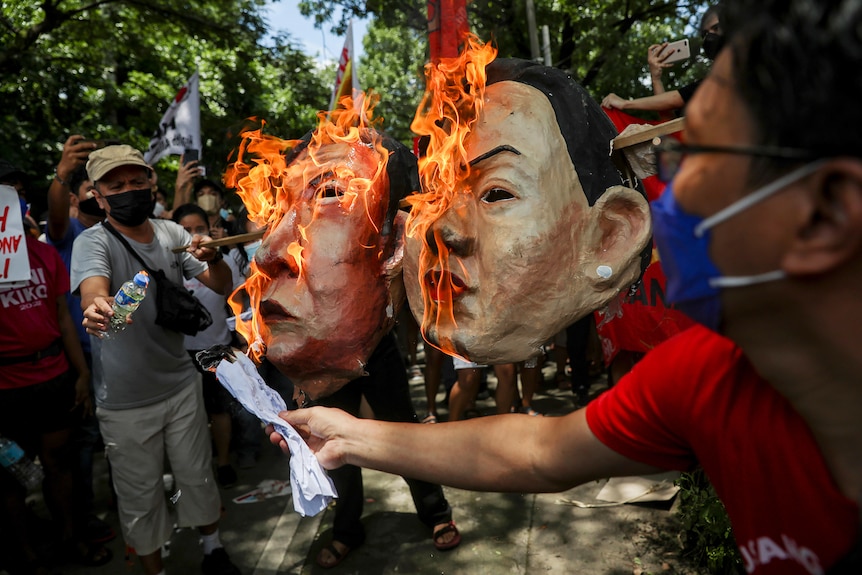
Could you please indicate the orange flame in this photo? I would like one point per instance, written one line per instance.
(453, 101)
(270, 190)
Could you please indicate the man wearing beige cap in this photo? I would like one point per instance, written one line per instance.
(149, 400)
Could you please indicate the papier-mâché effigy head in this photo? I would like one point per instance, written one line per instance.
(523, 225)
(325, 283)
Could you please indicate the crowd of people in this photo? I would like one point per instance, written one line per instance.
(759, 233)
(137, 395)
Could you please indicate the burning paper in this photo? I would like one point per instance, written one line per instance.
(311, 487)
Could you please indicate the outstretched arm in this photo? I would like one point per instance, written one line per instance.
(500, 453)
(658, 103)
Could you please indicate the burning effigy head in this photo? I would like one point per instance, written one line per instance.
(523, 225)
(325, 284)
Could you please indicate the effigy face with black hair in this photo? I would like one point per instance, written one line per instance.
(325, 284)
(523, 225)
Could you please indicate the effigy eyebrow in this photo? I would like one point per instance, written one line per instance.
(494, 152)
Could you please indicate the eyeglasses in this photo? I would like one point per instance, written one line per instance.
(671, 153)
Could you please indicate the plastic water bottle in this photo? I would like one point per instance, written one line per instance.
(16, 462)
(127, 300)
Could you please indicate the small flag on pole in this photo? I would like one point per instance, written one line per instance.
(346, 79)
(180, 127)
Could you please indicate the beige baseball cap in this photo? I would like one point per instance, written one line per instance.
(106, 159)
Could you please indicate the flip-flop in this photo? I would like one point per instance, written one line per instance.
(430, 418)
(454, 542)
(336, 554)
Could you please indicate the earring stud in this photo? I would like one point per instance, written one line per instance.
(604, 272)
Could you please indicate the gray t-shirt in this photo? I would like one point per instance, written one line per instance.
(145, 363)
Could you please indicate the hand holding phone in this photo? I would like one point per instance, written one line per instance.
(97, 144)
(190, 155)
(676, 51)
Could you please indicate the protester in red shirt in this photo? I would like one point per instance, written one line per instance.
(760, 234)
(44, 395)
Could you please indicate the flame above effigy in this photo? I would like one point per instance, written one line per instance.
(453, 101)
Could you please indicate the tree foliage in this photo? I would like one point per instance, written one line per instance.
(392, 67)
(109, 68)
(602, 42)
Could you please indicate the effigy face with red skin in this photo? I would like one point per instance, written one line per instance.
(506, 247)
(326, 280)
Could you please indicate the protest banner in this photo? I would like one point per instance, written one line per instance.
(180, 127)
(14, 261)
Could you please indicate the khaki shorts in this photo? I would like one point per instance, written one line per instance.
(136, 443)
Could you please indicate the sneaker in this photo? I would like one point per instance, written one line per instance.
(226, 476)
(218, 563)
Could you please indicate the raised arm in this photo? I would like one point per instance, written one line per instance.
(75, 153)
(499, 453)
(656, 62)
(185, 182)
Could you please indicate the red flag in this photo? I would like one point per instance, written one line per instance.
(447, 26)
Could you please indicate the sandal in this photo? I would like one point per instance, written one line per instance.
(336, 555)
(88, 555)
(430, 418)
(529, 411)
(452, 543)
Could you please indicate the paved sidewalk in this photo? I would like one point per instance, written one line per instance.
(502, 533)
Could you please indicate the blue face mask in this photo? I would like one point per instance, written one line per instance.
(251, 249)
(693, 280)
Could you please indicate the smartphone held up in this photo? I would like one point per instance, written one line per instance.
(98, 143)
(193, 155)
(676, 51)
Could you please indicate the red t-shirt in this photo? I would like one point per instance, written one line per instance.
(29, 321)
(697, 399)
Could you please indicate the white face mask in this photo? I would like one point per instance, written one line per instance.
(251, 248)
(158, 210)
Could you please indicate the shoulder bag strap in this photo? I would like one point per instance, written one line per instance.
(107, 225)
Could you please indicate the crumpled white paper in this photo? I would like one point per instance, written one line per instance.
(311, 487)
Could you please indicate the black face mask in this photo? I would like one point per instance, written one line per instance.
(712, 45)
(90, 206)
(131, 208)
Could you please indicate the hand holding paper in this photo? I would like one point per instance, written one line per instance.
(311, 487)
